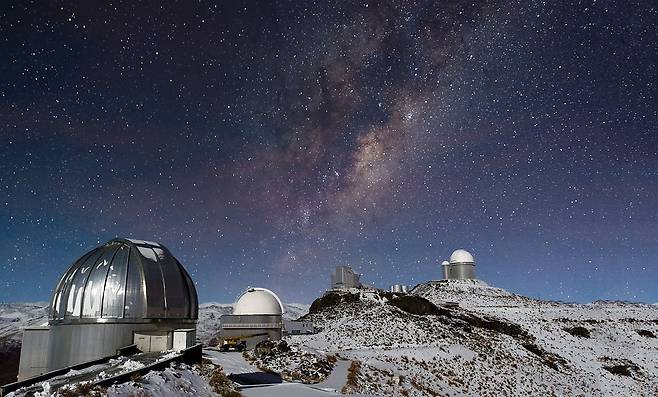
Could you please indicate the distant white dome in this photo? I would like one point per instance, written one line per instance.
(461, 256)
(445, 263)
(258, 301)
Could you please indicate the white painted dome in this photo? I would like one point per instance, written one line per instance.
(461, 256)
(258, 301)
(445, 263)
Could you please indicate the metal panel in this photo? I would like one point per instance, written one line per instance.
(183, 338)
(143, 342)
(64, 292)
(192, 301)
(175, 287)
(462, 271)
(153, 341)
(56, 306)
(115, 284)
(71, 344)
(34, 352)
(250, 321)
(153, 278)
(135, 298)
(159, 343)
(259, 334)
(73, 294)
(92, 298)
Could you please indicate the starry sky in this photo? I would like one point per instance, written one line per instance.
(264, 143)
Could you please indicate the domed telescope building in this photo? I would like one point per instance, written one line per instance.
(460, 267)
(257, 316)
(121, 293)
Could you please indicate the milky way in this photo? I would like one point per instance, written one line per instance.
(265, 143)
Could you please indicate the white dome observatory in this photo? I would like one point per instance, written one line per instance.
(460, 267)
(258, 301)
(256, 317)
(461, 256)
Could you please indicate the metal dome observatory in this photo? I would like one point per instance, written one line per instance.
(122, 292)
(460, 267)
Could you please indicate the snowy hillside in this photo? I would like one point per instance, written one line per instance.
(469, 293)
(496, 343)
(14, 316)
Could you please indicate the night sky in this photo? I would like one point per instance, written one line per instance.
(266, 142)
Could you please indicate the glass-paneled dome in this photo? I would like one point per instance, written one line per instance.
(125, 280)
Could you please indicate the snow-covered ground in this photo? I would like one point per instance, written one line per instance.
(234, 363)
(177, 380)
(495, 343)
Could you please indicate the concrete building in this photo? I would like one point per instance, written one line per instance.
(256, 317)
(345, 278)
(460, 267)
(298, 327)
(121, 293)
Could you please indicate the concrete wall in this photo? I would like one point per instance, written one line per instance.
(34, 352)
(291, 327)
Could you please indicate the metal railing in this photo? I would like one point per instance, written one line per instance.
(252, 325)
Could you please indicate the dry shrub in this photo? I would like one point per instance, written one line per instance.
(352, 377)
(580, 332)
(646, 333)
(81, 390)
(623, 370)
(221, 384)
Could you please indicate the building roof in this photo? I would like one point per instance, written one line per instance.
(125, 280)
(258, 301)
(461, 256)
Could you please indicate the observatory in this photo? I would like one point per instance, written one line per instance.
(121, 293)
(460, 267)
(256, 317)
(399, 289)
(345, 278)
